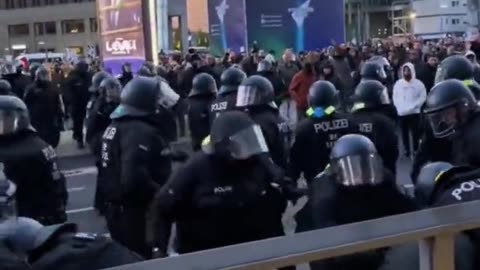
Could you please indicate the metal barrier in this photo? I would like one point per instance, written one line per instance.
(433, 228)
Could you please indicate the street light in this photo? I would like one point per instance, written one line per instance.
(413, 15)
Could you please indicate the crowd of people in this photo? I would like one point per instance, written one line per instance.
(258, 124)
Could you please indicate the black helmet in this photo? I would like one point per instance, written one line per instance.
(97, 80)
(454, 67)
(370, 94)
(255, 90)
(81, 66)
(203, 85)
(427, 177)
(231, 79)
(448, 106)
(234, 136)
(355, 161)
(373, 71)
(5, 87)
(322, 94)
(42, 74)
(111, 88)
(33, 69)
(14, 116)
(139, 98)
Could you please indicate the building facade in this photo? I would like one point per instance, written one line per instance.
(52, 25)
(436, 18)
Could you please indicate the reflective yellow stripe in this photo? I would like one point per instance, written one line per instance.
(439, 176)
(206, 141)
(310, 111)
(329, 110)
(468, 82)
(358, 106)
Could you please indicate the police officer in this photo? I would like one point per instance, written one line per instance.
(227, 96)
(355, 187)
(45, 107)
(373, 71)
(460, 68)
(316, 134)
(452, 112)
(5, 88)
(369, 100)
(256, 97)
(224, 194)
(31, 164)
(200, 99)
(18, 82)
(95, 89)
(98, 121)
(135, 161)
(440, 183)
(26, 244)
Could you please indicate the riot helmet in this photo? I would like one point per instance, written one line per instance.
(8, 68)
(255, 91)
(42, 74)
(322, 99)
(14, 116)
(387, 68)
(111, 89)
(5, 88)
(370, 94)
(203, 85)
(234, 136)
(373, 71)
(454, 67)
(139, 98)
(231, 80)
(449, 105)
(355, 161)
(426, 180)
(97, 80)
(33, 69)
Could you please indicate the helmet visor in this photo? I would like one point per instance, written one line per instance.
(9, 122)
(381, 73)
(358, 170)
(240, 146)
(443, 122)
(440, 75)
(248, 95)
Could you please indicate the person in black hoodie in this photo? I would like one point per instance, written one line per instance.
(266, 70)
(45, 107)
(127, 74)
(431, 71)
(78, 83)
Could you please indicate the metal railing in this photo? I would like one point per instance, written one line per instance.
(434, 229)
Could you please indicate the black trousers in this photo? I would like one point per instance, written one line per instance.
(78, 116)
(127, 226)
(410, 124)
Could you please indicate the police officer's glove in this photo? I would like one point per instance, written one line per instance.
(158, 253)
(291, 191)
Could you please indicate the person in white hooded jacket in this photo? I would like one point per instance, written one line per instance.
(409, 94)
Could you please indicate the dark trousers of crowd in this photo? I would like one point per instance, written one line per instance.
(410, 126)
(78, 116)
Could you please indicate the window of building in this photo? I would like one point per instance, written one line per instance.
(45, 28)
(22, 3)
(49, 2)
(73, 26)
(36, 3)
(455, 3)
(18, 30)
(455, 21)
(9, 4)
(78, 50)
(64, 1)
(93, 25)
